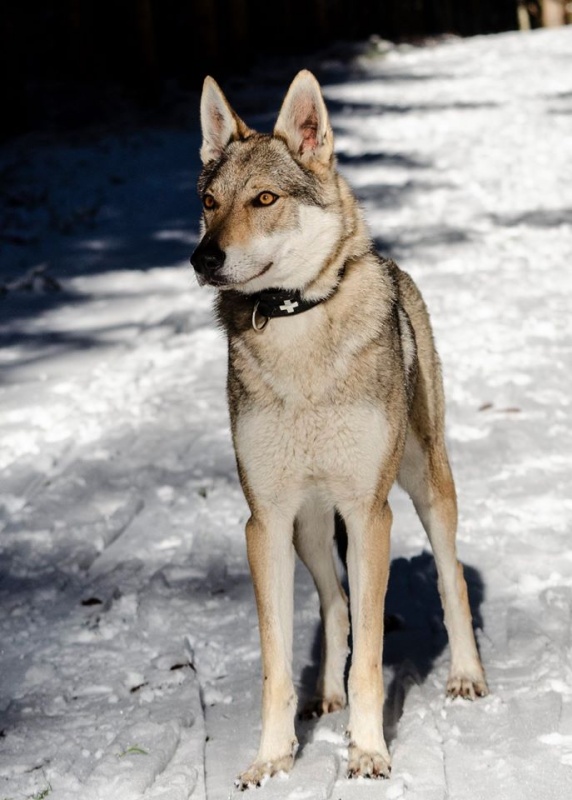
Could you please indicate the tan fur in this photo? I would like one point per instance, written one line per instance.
(328, 409)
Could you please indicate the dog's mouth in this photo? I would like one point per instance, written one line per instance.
(211, 281)
(262, 272)
(219, 282)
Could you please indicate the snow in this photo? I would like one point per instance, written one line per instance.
(128, 638)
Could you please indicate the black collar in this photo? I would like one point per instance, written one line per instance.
(282, 303)
(278, 303)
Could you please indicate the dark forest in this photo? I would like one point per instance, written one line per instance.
(71, 63)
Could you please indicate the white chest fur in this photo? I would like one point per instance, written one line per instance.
(290, 449)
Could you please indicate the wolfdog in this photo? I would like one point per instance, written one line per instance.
(335, 392)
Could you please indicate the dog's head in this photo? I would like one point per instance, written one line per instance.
(269, 200)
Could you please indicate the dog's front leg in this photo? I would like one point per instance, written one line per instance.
(368, 571)
(270, 548)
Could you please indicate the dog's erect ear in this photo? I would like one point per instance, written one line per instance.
(219, 123)
(303, 121)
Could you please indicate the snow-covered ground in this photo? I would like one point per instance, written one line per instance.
(128, 639)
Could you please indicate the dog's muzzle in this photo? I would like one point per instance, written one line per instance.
(208, 260)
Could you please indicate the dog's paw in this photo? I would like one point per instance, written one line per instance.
(367, 765)
(318, 706)
(259, 772)
(468, 688)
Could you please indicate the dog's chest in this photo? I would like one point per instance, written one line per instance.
(339, 448)
(302, 363)
(309, 417)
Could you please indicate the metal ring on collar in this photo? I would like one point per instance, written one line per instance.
(258, 327)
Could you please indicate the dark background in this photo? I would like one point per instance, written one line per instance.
(68, 64)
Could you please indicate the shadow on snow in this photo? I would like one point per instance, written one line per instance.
(414, 638)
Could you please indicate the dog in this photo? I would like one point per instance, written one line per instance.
(334, 392)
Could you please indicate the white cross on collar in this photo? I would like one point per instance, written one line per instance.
(289, 306)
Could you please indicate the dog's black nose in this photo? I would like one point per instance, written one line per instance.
(207, 259)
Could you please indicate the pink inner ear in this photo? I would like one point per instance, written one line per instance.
(309, 132)
(217, 121)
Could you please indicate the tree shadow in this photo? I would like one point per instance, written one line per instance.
(121, 203)
(358, 109)
(543, 218)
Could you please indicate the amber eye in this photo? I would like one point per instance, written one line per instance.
(265, 199)
(209, 201)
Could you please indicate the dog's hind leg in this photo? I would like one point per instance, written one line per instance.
(426, 475)
(313, 539)
(270, 548)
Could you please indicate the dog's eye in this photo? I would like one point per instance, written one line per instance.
(209, 202)
(265, 199)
